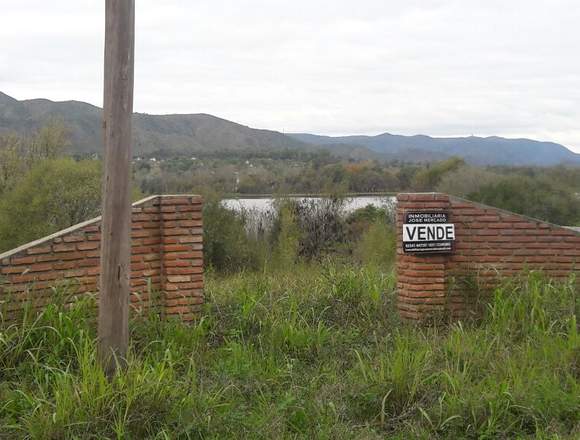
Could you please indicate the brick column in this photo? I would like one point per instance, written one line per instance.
(490, 243)
(166, 258)
(182, 253)
(421, 282)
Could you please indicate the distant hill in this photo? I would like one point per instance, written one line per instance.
(492, 150)
(165, 134)
(190, 134)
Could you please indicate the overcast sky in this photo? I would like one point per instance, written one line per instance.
(441, 67)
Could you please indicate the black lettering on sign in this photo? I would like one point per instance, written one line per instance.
(428, 232)
(450, 232)
(412, 233)
(426, 217)
(421, 233)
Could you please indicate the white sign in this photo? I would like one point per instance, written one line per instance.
(428, 232)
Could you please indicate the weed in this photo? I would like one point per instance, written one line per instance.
(314, 351)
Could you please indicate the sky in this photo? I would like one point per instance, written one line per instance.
(437, 67)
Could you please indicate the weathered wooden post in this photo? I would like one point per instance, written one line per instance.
(113, 325)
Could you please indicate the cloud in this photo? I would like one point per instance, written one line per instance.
(332, 67)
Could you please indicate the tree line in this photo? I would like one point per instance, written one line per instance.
(43, 189)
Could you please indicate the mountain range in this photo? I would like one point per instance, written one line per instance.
(198, 133)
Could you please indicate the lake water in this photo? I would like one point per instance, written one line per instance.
(265, 204)
(258, 210)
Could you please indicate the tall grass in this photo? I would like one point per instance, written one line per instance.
(315, 352)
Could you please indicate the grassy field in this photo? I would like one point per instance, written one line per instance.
(313, 352)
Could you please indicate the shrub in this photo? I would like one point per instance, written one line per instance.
(377, 245)
(360, 220)
(321, 224)
(55, 194)
(317, 225)
(372, 236)
(427, 179)
(227, 245)
(466, 180)
(288, 237)
(538, 198)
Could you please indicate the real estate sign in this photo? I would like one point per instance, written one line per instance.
(428, 232)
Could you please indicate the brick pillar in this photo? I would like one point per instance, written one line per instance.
(166, 257)
(182, 253)
(421, 279)
(490, 243)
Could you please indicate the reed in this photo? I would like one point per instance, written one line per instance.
(316, 351)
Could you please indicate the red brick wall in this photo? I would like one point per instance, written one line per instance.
(490, 243)
(166, 260)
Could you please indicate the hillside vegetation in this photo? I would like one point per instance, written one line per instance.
(195, 134)
(156, 135)
(39, 182)
(492, 150)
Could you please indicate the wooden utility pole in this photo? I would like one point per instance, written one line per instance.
(116, 220)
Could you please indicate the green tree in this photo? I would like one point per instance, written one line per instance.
(538, 198)
(55, 194)
(428, 178)
(20, 154)
(466, 180)
(11, 163)
(50, 142)
(226, 244)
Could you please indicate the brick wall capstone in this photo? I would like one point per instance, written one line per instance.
(166, 260)
(490, 243)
